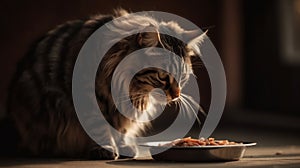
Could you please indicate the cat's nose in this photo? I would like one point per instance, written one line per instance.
(175, 93)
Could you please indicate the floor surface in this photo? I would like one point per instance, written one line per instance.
(276, 147)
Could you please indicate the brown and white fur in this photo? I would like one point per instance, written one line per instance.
(40, 100)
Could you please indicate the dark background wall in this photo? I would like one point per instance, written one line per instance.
(272, 83)
(25, 21)
(246, 34)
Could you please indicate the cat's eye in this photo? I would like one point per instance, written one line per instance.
(163, 76)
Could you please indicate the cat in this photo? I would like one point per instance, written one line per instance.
(40, 100)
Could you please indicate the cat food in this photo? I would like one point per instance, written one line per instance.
(200, 142)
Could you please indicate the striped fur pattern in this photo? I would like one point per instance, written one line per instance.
(40, 100)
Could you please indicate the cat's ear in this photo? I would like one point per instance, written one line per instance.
(195, 38)
(149, 38)
(120, 12)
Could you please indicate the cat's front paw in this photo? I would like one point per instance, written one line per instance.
(127, 152)
(101, 153)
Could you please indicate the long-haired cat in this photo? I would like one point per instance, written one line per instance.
(40, 100)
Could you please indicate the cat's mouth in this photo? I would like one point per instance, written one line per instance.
(173, 94)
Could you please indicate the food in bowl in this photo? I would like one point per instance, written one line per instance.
(188, 141)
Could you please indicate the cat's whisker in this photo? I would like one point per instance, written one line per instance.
(177, 104)
(196, 105)
(186, 102)
(183, 108)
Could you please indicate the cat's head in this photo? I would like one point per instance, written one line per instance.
(154, 85)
